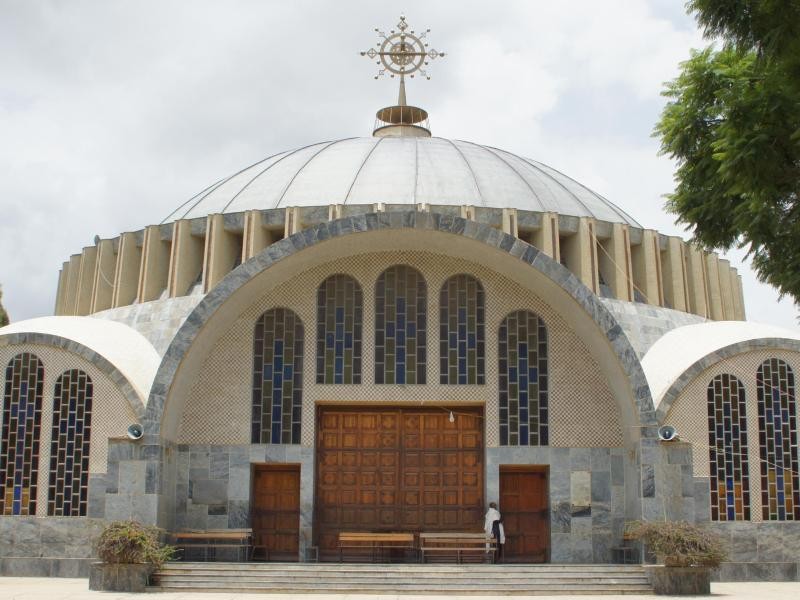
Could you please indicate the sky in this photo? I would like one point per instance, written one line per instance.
(114, 112)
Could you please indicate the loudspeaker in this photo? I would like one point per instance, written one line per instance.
(667, 433)
(135, 431)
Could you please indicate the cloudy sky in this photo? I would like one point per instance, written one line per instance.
(114, 112)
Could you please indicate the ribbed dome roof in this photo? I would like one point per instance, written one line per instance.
(368, 170)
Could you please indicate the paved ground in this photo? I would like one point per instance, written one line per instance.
(33, 588)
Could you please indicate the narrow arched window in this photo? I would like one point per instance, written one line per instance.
(727, 450)
(340, 308)
(22, 418)
(462, 324)
(400, 319)
(68, 492)
(522, 373)
(777, 424)
(277, 377)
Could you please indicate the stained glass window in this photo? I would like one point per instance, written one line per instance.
(277, 378)
(69, 445)
(522, 371)
(400, 319)
(727, 450)
(777, 428)
(22, 417)
(462, 324)
(340, 307)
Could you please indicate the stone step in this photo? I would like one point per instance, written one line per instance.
(401, 578)
(525, 590)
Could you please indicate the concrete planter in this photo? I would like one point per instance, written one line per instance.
(119, 578)
(680, 581)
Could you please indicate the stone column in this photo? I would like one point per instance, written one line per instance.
(676, 285)
(154, 272)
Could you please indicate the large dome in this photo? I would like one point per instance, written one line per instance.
(389, 170)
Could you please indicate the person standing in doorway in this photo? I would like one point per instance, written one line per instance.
(493, 526)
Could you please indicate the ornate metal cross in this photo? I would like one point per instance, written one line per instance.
(402, 52)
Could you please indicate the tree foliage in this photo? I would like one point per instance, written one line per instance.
(4, 320)
(733, 125)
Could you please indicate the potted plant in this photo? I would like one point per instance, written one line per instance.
(130, 552)
(687, 552)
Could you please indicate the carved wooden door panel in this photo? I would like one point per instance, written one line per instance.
(526, 514)
(276, 512)
(397, 469)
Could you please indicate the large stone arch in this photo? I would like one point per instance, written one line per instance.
(443, 233)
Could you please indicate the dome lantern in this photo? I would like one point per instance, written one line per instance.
(402, 53)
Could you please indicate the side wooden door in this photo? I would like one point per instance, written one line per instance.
(276, 512)
(526, 515)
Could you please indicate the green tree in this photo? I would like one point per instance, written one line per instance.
(4, 320)
(732, 123)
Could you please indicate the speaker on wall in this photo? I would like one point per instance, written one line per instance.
(135, 431)
(667, 433)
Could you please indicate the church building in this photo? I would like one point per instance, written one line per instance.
(387, 333)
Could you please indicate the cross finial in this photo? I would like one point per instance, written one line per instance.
(402, 52)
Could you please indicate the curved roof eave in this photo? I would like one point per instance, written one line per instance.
(124, 348)
(678, 350)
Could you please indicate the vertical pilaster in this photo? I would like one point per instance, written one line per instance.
(104, 272)
(61, 291)
(546, 238)
(256, 237)
(154, 272)
(510, 225)
(88, 260)
(714, 288)
(726, 290)
(580, 253)
(614, 261)
(676, 285)
(126, 278)
(646, 259)
(222, 250)
(73, 274)
(186, 260)
(738, 296)
(696, 274)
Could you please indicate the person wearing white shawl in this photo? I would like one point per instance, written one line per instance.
(493, 526)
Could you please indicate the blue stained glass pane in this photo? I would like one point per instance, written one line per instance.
(329, 340)
(348, 340)
(523, 350)
(471, 342)
(389, 329)
(267, 372)
(401, 355)
(339, 331)
(400, 373)
(533, 374)
(287, 372)
(278, 348)
(17, 493)
(401, 321)
(276, 433)
(339, 314)
(452, 340)
(401, 338)
(412, 329)
(512, 374)
(23, 390)
(401, 305)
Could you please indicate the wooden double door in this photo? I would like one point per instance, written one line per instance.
(526, 515)
(397, 469)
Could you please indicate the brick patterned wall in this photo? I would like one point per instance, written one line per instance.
(689, 413)
(583, 411)
(111, 413)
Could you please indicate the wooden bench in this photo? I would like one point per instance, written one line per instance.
(379, 547)
(457, 545)
(210, 540)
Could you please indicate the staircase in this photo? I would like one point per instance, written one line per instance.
(309, 578)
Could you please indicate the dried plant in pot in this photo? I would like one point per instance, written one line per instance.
(130, 552)
(688, 553)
